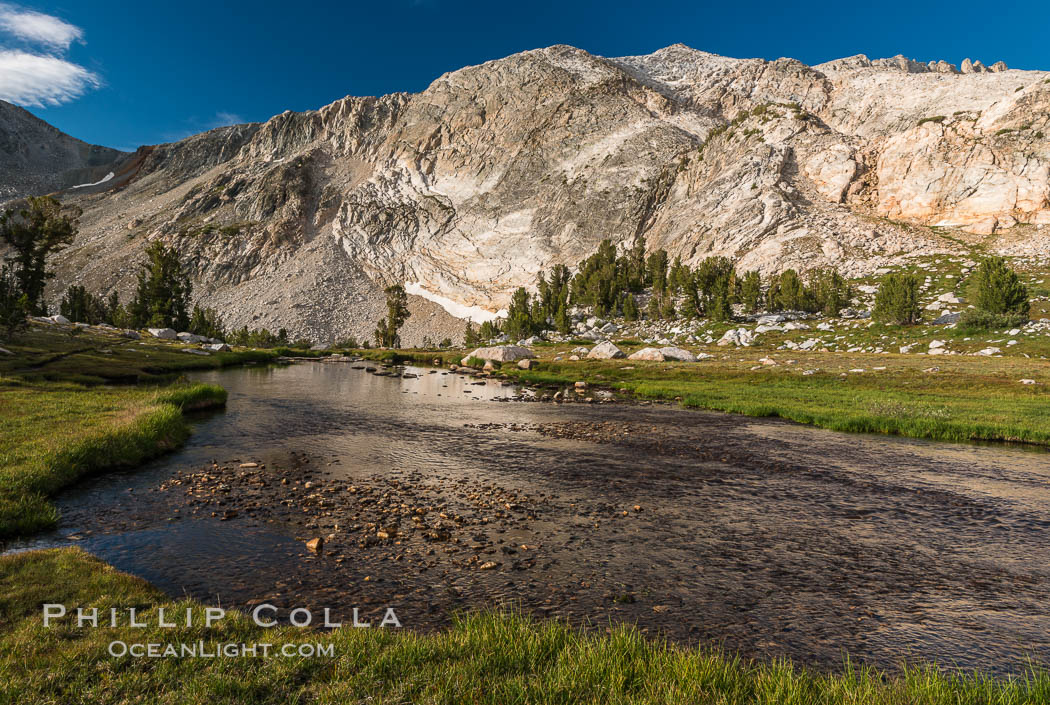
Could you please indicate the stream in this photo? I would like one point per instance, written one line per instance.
(432, 495)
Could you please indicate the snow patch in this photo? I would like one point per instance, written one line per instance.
(104, 179)
(474, 313)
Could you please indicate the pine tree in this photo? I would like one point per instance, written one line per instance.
(470, 335)
(34, 233)
(387, 332)
(897, 301)
(163, 293)
(14, 305)
(667, 307)
(751, 291)
(996, 289)
(657, 271)
(636, 279)
(630, 307)
(829, 291)
(786, 292)
(206, 322)
(519, 315)
(561, 319)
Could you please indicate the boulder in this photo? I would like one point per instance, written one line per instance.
(947, 319)
(59, 318)
(737, 336)
(530, 341)
(647, 354)
(525, 364)
(190, 337)
(131, 334)
(164, 333)
(664, 354)
(679, 354)
(217, 347)
(500, 353)
(605, 351)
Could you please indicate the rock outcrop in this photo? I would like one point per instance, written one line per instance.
(464, 191)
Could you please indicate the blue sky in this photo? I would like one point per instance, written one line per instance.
(124, 74)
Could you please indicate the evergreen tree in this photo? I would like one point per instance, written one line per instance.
(630, 307)
(657, 271)
(786, 292)
(680, 277)
(715, 280)
(599, 279)
(667, 306)
(470, 335)
(113, 308)
(830, 292)
(897, 301)
(14, 305)
(489, 329)
(995, 288)
(387, 331)
(162, 296)
(519, 315)
(206, 322)
(751, 291)
(33, 233)
(637, 277)
(82, 307)
(561, 319)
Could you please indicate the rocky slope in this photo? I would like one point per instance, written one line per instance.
(36, 158)
(466, 190)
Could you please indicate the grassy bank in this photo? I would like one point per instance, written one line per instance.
(55, 433)
(53, 354)
(60, 422)
(961, 400)
(483, 658)
(950, 398)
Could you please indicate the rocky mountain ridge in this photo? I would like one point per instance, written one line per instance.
(466, 190)
(36, 158)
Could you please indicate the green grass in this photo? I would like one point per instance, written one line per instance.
(46, 353)
(966, 399)
(54, 433)
(493, 657)
(60, 422)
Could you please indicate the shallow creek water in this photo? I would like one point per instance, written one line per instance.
(766, 537)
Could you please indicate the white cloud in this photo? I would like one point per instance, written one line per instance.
(225, 119)
(39, 81)
(38, 28)
(38, 75)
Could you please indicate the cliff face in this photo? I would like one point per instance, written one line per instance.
(466, 190)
